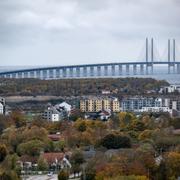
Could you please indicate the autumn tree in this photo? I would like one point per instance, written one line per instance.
(3, 152)
(63, 175)
(173, 164)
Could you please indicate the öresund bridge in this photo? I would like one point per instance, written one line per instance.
(145, 67)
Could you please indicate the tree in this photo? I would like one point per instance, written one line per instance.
(63, 175)
(125, 119)
(8, 175)
(31, 148)
(146, 134)
(80, 125)
(113, 141)
(173, 164)
(136, 125)
(42, 164)
(76, 160)
(18, 119)
(77, 157)
(3, 152)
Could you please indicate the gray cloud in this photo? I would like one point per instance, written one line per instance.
(39, 32)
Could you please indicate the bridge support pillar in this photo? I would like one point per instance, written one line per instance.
(78, 72)
(57, 72)
(85, 71)
(113, 70)
(14, 75)
(127, 69)
(25, 74)
(8, 76)
(120, 70)
(151, 68)
(105, 70)
(51, 73)
(173, 68)
(91, 71)
(178, 68)
(141, 69)
(64, 72)
(20, 75)
(38, 74)
(99, 70)
(169, 69)
(70, 72)
(44, 74)
(134, 69)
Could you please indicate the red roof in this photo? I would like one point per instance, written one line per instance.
(27, 158)
(54, 137)
(53, 157)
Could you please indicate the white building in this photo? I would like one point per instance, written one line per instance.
(156, 109)
(57, 112)
(137, 103)
(170, 89)
(2, 105)
(51, 114)
(66, 106)
(1, 108)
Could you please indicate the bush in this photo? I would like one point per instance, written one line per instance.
(63, 175)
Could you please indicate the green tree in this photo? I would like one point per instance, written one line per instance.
(32, 148)
(42, 164)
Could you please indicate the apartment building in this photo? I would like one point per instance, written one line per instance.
(96, 104)
(137, 103)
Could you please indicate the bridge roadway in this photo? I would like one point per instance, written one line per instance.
(89, 70)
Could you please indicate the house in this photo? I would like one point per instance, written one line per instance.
(52, 114)
(59, 160)
(66, 106)
(103, 115)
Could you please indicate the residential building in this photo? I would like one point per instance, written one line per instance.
(137, 103)
(51, 114)
(96, 104)
(170, 89)
(57, 112)
(156, 109)
(172, 103)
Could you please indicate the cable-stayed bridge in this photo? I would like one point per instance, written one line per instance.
(143, 67)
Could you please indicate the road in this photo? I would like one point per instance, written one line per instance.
(42, 177)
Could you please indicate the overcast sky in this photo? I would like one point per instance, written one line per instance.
(59, 32)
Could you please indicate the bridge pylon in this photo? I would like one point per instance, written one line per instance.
(171, 57)
(149, 64)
